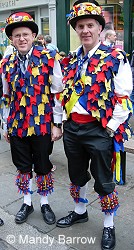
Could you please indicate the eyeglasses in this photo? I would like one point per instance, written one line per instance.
(24, 35)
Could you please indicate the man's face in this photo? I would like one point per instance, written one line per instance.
(22, 39)
(88, 31)
(112, 37)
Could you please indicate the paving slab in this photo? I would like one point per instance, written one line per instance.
(25, 236)
(35, 234)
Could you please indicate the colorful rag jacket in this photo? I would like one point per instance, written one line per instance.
(29, 96)
(95, 91)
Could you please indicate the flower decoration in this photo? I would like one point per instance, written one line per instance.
(89, 8)
(26, 18)
(19, 17)
(84, 9)
(81, 12)
(93, 12)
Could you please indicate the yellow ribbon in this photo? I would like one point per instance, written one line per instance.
(15, 123)
(37, 120)
(41, 109)
(70, 104)
(30, 131)
(117, 166)
(126, 103)
(35, 71)
(45, 98)
(23, 101)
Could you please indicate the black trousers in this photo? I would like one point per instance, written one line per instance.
(84, 143)
(31, 150)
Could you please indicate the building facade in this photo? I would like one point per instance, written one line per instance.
(43, 12)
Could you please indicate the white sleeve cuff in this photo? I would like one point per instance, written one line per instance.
(113, 124)
(57, 119)
(5, 127)
(64, 118)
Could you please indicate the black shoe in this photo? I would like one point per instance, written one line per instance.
(23, 213)
(1, 222)
(108, 239)
(48, 214)
(71, 219)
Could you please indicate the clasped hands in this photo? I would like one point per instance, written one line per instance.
(56, 133)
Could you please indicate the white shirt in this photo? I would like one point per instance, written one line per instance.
(123, 87)
(107, 43)
(9, 50)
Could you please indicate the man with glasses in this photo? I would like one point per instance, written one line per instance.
(32, 116)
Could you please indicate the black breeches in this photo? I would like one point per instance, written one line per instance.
(84, 143)
(31, 150)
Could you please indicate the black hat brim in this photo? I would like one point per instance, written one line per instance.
(31, 25)
(100, 19)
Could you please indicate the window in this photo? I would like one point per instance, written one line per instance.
(4, 41)
(113, 14)
(44, 17)
(45, 25)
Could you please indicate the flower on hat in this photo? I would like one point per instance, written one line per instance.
(89, 8)
(99, 10)
(9, 20)
(17, 18)
(81, 12)
(94, 12)
(26, 18)
(82, 7)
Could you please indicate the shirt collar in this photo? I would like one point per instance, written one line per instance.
(90, 53)
(27, 55)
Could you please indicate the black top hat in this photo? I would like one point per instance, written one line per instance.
(84, 10)
(20, 19)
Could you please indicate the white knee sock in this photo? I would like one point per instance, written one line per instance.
(108, 220)
(28, 196)
(43, 200)
(80, 208)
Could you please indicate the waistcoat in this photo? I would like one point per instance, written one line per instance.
(29, 97)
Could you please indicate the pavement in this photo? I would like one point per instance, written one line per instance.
(36, 234)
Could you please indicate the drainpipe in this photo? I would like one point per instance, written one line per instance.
(63, 31)
(127, 10)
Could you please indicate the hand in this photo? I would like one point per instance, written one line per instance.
(110, 131)
(56, 133)
(6, 136)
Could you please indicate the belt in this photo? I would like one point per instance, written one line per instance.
(79, 118)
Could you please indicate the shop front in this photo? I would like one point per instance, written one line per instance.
(119, 15)
(43, 12)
